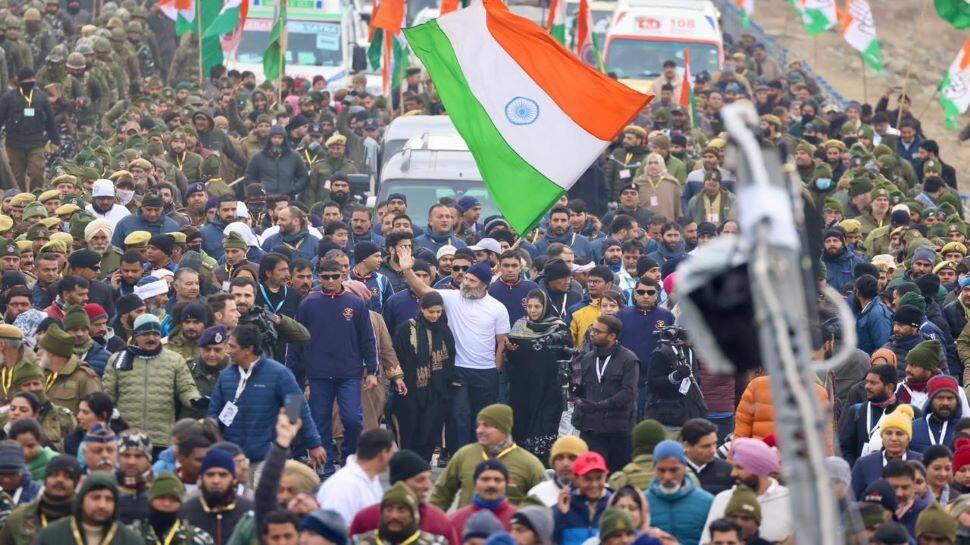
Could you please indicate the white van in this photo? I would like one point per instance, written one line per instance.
(324, 37)
(645, 33)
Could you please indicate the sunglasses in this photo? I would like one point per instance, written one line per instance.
(646, 292)
(329, 277)
(460, 268)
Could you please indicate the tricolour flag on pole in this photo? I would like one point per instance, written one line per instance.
(231, 41)
(388, 50)
(955, 88)
(182, 12)
(817, 15)
(274, 58)
(686, 99)
(584, 35)
(955, 12)
(859, 29)
(534, 116)
(227, 19)
(747, 10)
(556, 25)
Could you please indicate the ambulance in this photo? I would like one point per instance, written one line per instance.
(645, 33)
(324, 37)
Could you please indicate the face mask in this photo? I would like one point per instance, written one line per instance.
(823, 184)
(314, 145)
(27, 87)
(125, 196)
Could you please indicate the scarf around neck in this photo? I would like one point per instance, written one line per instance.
(127, 358)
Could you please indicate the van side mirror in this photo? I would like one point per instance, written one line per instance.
(359, 61)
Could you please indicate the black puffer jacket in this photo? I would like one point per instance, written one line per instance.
(28, 131)
(608, 406)
(281, 172)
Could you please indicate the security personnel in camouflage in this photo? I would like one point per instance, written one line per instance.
(17, 52)
(58, 21)
(53, 70)
(324, 169)
(140, 15)
(185, 63)
(86, 96)
(147, 63)
(187, 162)
(102, 78)
(110, 65)
(37, 36)
(625, 160)
(125, 54)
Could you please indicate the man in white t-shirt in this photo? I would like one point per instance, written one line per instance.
(480, 324)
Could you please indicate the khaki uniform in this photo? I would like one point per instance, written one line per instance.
(110, 261)
(6, 376)
(187, 349)
(75, 381)
(189, 163)
(321, 171)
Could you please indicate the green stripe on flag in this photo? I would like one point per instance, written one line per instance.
(815, 21)
(274, 63)
(950, 110)
(374, 50)
(521, 192)
(873, 55)
(558, 31)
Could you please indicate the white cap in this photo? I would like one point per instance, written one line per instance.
(152, 288)
(447, 249)
(489, 244)
(103, 188)
(242, 211)
(583, 268)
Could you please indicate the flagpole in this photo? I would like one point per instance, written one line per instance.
(283, 45)
(198, 24)
(913, 31)
(865, 83)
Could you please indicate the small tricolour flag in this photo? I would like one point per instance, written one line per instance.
(859, 29)
(955, 12)
(556, 25)
(585, 37)
(955, 88)
(182, 12)
(747, 10)
(686, 99)
(388, 50)
(534, 116)
(229, 23)
(817, 15)
(274, 58)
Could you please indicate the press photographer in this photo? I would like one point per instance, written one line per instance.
(672, 380)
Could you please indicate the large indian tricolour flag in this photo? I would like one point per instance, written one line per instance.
(533, 115)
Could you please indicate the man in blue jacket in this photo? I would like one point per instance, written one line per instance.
(839, 261)
(875, 323)
(150, 218)
(248, 396)
(560, 231)
(341, 350)
(678, 505)
(213, 231)
(943, 411)
(639, 323)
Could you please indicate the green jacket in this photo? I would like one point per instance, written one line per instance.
(68, 530)
(72, 383)
(638, 473)
(525, 471)
(25, 522)
(146, 394)
(189, 163)
(878, 240)
(185, 534)
(321, 171)
(187, 349)
(110, 261)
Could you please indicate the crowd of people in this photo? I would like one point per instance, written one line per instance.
(208, 339)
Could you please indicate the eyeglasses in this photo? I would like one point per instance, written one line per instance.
(646, 292)
(330, 277)
(460, 268)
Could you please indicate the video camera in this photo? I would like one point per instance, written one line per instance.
(671, 334)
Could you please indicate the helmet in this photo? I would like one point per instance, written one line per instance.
(13, 22)
(84, 48)
(32, 14)
(118, 34)
(75, 61)
(102, 45)
(57, 54)
(133, 27)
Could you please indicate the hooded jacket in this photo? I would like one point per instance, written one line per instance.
(68, 530)
(282, 172)
(214, 139)
(683, 513)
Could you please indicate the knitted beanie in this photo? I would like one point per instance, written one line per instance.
(615, 521)
(166, 484)
(218, 458)
(75, 316)
(567, 444)
(935, 521)
(24, 372)
(926, 354)
(646, 435)
(744, 501)
(481, 525)
(400, 494)
(901, 419)
(328, 524)
(406, 464)
(961, 453)
(498, 416)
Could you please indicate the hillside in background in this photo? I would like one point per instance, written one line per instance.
(925, 46)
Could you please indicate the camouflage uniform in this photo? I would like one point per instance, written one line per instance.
(321, 172)
(186, 534)
(40, 40)
(125, 55)
(59, 23)
(147, 64)
(116, 74)
(371, 538)
(185, 63)
(17, 52)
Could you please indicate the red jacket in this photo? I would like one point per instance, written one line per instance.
(433, 520)
(460, 517)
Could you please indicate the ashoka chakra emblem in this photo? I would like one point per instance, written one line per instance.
(522, 111)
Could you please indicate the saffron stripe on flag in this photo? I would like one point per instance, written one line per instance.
(523, 194)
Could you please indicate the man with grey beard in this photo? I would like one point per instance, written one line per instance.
(480, 325)
(97, 235)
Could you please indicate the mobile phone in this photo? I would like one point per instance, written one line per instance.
(293, 407)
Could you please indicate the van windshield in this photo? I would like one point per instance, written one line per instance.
(422, 194)
(308, 43)
(631, 58)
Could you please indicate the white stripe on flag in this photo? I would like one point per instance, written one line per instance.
(526, 117)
